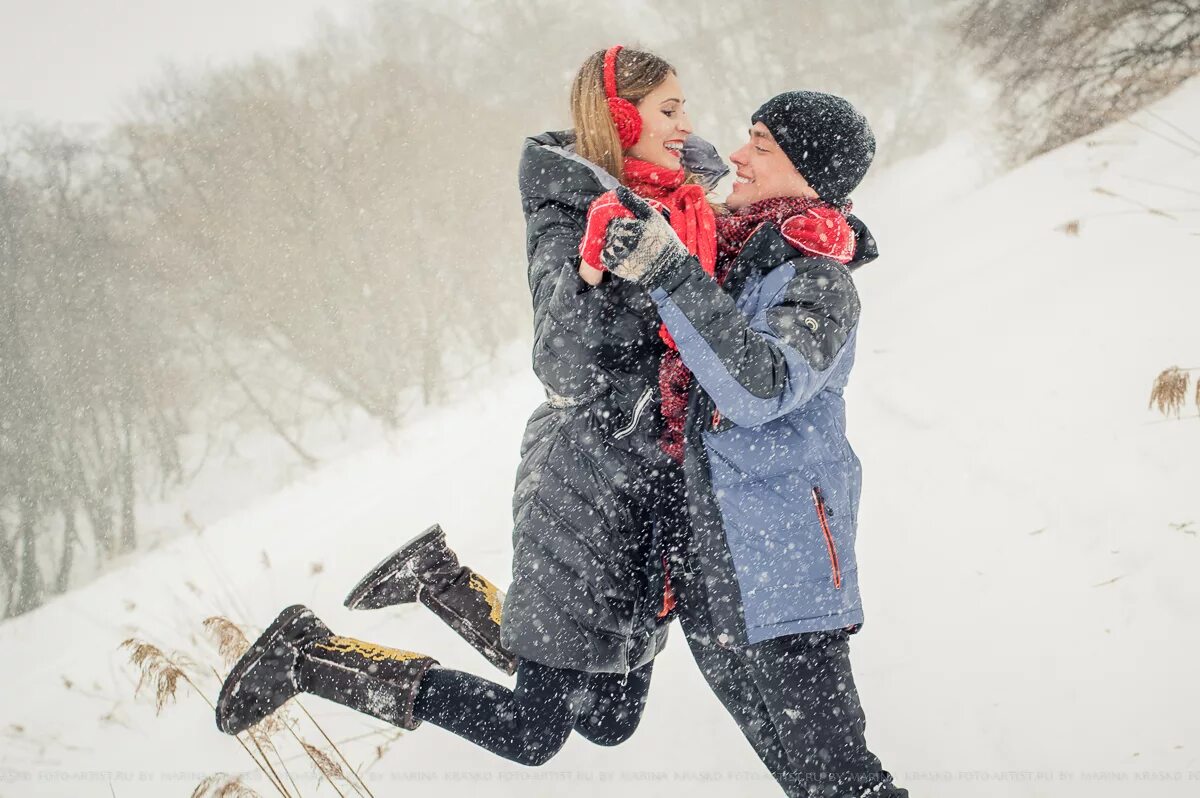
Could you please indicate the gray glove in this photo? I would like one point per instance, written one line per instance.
(641, 248)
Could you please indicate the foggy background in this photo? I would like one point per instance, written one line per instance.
(308, 224)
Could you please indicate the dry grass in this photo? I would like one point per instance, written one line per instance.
(221, 785)
(386, 745)
(329, 769)
(230, 639)
(260, 735)
(157, 669)
(164, 673)
(337, 750)
(273, 724)
(1169, 393)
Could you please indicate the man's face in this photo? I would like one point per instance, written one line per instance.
(764, 171)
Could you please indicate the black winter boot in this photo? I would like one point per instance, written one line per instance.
(426, 570)
(266, 676)
(299, 654)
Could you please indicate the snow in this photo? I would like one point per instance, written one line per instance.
(1024, 548)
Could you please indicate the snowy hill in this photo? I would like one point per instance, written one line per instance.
(1028, 541)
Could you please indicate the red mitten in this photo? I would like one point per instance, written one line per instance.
(603, 210)
(821, 231)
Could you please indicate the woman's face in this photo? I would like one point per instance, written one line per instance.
(665, 125)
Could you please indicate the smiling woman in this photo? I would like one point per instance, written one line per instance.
(665, 125)
(599, 487)
(642, 80)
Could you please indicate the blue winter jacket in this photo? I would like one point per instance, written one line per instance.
(773, 482)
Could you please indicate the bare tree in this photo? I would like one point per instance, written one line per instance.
(82, 366)
(1068, 68)
(309, 196)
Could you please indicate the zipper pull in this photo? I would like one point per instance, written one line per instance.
(819, 495)
(716, 418)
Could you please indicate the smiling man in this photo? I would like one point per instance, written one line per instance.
(763, 173)
(765, 568)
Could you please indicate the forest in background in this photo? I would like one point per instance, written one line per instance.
(272, 242)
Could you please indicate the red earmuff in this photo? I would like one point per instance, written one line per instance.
(624, 114)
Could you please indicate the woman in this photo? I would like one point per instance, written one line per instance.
(768, 582)
(596, 493)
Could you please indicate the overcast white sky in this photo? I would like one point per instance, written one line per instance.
(73, 60)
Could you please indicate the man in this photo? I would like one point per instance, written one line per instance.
(766, 575)
(763, 560)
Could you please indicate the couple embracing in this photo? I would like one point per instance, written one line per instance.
(690, 460)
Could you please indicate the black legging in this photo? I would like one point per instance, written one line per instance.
(531, 722)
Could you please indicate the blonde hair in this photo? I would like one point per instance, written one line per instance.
(638, 74)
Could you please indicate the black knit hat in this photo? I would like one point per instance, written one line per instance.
(824, 136)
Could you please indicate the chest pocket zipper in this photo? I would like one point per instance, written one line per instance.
(638, 409)
(819, 502)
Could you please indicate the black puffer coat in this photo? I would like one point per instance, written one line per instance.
(595, 495)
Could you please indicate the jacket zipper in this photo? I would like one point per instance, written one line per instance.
(638, 409)
(819, 502)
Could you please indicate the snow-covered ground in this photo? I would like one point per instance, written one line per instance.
(1028, 544)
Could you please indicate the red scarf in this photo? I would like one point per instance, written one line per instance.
(693, 221)
(809, 224)
(691, 217)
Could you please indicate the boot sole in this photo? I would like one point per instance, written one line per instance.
(267, 642)
(392, 581)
